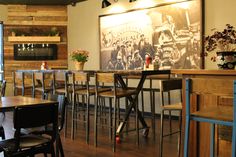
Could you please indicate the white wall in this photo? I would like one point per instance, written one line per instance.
(83, 26)
(218, 13)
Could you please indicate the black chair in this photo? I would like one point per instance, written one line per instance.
(62, 101)
(31, 144)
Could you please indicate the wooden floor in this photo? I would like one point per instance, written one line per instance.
(127, 148)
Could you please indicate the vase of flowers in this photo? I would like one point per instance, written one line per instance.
(79, 57)
(224, 44)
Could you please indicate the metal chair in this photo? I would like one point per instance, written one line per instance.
(30, 144)
(23, 81)
(197, 88)
(43, 82)
(109, 79)
(63, 87)
(167, 86)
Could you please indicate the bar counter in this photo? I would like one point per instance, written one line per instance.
(200, 133)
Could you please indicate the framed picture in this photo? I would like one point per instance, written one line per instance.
(170, 34)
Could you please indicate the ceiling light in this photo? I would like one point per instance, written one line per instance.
(105, 3)
(132, 1)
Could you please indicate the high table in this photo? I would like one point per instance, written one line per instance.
(141, 75)
(200, 133)
(9, 103)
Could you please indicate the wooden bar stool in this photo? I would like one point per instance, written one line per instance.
(81, 88)
(167, 86)
(109, 79)
(62, 87)
(23, 81)
(197, 88)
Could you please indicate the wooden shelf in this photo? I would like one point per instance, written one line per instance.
(34, 39)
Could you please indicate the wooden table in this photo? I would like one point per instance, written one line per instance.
(200, 133)
(9, 103)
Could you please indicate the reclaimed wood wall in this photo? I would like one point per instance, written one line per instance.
(34, 19)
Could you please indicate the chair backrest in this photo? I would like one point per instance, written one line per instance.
(168, 85)
(61, 99)
(22, 78)
(108, 79)
(60, 79)
(208, 90)
(44, 78)
(36, 116)
(3, 87)
(80, 79)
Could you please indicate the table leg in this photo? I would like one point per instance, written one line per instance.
(132, 105)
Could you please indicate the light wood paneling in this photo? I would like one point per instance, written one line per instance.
(35, 22)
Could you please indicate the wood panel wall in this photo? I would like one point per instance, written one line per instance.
(34, 19)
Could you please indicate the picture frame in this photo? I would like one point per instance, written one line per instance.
(168, 35)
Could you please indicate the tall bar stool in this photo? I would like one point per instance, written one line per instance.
(62, 87)
(43, 82)
(166, 86)
(109, 79)
(215, 115)
(23, 81)
(80, 87)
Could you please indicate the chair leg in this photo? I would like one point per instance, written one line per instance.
(137, 122)
(87, 120)
(212, 145)
(161, 134)
(114, 124)
(73, 116)
(186, 139)
(60, 147)
(95, 121)
(180, 133)
(234, 139)
(152, 99)
(2, 132)
(110, 118)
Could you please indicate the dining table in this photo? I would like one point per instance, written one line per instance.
(9, 103)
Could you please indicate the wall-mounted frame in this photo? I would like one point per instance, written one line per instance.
(170, 33)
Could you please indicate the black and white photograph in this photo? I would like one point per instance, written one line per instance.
(168, 35)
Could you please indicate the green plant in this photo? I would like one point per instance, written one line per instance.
(80, 55)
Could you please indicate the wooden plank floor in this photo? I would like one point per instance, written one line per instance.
(127, 148)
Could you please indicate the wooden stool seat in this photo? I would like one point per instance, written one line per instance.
(91, 91)
(173, 107)
(119, 93)
(216, 113)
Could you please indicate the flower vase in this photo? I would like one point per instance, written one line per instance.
(79, 65)
(226, 60)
